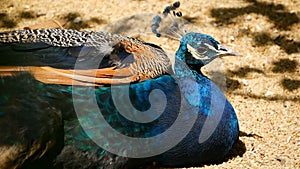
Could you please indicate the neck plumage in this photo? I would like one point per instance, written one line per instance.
(183, 69)
(180, 67)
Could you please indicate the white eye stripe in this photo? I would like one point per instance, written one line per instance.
(211, 47)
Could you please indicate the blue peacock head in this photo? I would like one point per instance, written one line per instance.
(196, 49)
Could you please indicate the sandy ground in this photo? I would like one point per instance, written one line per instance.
(263, 84)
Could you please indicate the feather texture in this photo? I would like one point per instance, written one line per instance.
(118, 59)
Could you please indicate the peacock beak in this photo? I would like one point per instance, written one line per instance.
(224, 51)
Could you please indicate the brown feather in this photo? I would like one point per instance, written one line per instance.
(95, 77)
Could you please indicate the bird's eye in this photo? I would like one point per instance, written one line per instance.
(201, 50)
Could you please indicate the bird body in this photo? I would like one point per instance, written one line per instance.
(121, 103)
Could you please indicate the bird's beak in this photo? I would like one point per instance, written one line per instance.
(224, 51)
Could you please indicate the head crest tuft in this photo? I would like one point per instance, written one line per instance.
(162, 26)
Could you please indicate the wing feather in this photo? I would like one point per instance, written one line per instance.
(123, 59)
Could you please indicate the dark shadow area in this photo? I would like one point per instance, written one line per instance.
(232, 84)
(71, 21)
(290, 84)
(72, 24)
(11, 21)
(288, 45)
(6, 21)
(74, 21)
(280, 66)
(244, 134)
(244, 71)
(269, 98)
(276, 13)
(28, 15)
(285, 65)
(238, 150)
(262, 38)
(225, 83)
(97, 20)
(190, 19)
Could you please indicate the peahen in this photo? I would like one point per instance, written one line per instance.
(122, 104)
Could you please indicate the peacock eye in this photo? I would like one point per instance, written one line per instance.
(201, 50)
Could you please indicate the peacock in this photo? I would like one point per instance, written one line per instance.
(117, 101)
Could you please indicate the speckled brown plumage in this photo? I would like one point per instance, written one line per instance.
(125, 59)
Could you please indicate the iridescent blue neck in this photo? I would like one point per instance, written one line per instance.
(180, 56)
(180, 53)
(180, 66)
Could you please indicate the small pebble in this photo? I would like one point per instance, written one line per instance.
(77, 20)
(245, 82)
(288, 139)
(248, 18)
(269, 93)
(144, 6)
